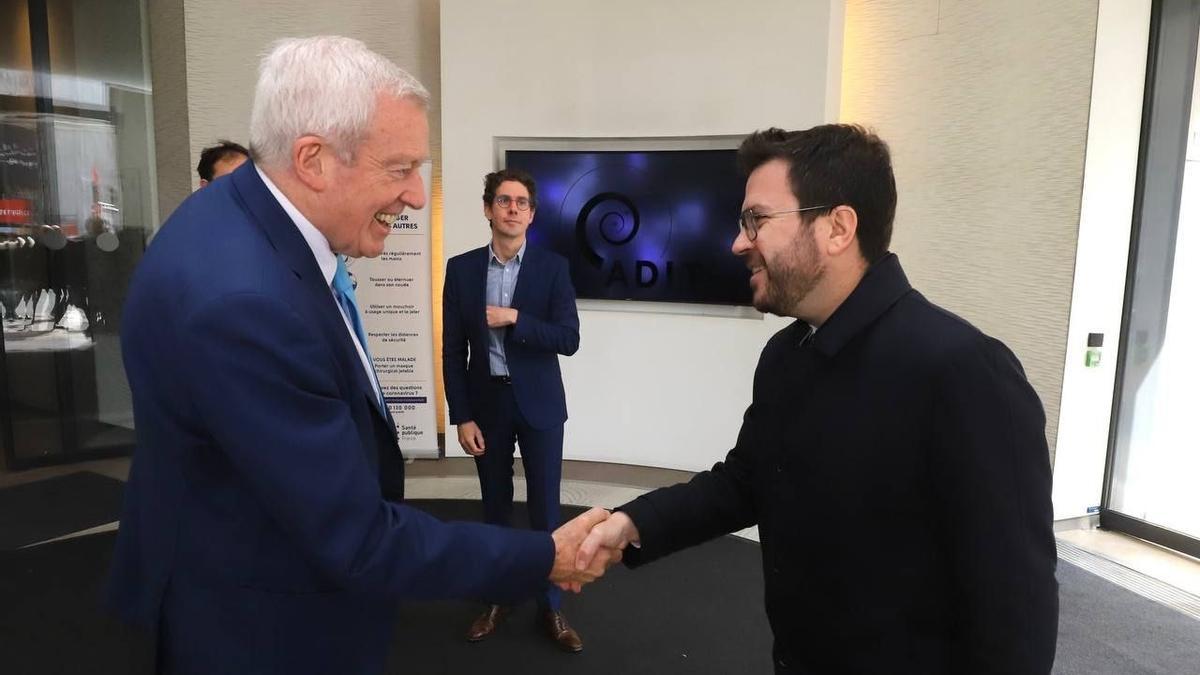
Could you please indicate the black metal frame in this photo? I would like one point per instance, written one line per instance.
(1172, 539)
(1110, 518)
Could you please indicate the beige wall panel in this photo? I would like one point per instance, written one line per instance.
(985, 105)
(226, 38)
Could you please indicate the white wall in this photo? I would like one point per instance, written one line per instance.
(1118, 82)
(650, 389)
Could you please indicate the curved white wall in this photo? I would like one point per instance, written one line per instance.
(652, 389)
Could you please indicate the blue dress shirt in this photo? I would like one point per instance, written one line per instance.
(501, 282)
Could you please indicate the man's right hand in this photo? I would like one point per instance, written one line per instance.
(470, 438)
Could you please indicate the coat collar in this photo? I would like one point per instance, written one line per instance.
(483, 256)
(880, 288)
(519, 257)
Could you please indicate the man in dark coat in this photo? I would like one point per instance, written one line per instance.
(893, 456)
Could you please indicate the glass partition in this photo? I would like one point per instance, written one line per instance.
(77, 198)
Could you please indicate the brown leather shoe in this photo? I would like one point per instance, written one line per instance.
(485, 624)
(561, 632)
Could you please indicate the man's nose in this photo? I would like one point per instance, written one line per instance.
(741, 243)
(414, 193)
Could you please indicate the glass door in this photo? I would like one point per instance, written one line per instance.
(77, 198)
(1154, 462)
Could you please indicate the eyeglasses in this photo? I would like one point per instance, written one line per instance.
(503, 201)
(751, 221)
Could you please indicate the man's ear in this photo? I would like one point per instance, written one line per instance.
(311, 158)
(843, 230)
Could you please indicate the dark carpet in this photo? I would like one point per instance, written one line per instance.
(1105, 629)
(699, 611)
(50, 508)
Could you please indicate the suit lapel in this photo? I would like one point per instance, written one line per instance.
(283, 234)
(524, 278)
(376, 404)
(478, 290)
(285, 237)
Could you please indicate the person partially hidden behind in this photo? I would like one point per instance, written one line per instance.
(263, 529)
(220, 160)
(508, 313)
(893, 456)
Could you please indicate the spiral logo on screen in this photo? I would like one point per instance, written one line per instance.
(608, 220)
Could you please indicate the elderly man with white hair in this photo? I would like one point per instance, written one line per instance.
(264, 529)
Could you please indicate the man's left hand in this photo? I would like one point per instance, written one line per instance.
(499, 317)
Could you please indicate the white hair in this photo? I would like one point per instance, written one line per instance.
(325, 86)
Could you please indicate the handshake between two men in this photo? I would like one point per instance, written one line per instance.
(586, 546)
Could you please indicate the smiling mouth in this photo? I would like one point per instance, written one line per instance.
(388, 219)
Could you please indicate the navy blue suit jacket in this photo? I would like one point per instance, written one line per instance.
(547, 325)
(256, 537)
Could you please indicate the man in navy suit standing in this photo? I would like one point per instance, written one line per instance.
(263, 529)
(508, 312)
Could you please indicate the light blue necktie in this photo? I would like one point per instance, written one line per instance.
(343, 289)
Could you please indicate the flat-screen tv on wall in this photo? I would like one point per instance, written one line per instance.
(647, 220)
